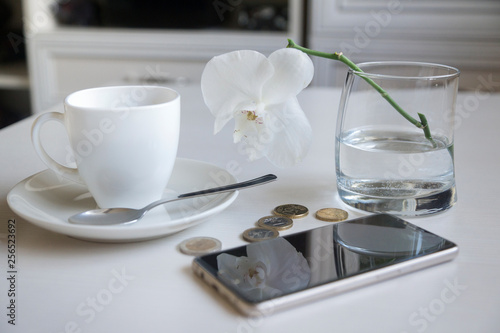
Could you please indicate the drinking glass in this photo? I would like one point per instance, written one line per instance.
(385, 163)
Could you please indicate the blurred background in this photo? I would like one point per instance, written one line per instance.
(50, 48)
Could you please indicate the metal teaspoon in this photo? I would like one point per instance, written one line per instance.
(113, 216)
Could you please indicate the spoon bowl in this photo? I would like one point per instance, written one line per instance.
(114, 216)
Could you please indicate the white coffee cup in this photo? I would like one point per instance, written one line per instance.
(124, 140)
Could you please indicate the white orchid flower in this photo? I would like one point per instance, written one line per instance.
(260, 94)
(272, 268)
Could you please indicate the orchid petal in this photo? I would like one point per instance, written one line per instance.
(294, 71)
(284, 137)
(281, 260)
(293, 142)
(233, 79)
(272, 268)
(233, 269)
(260, 93)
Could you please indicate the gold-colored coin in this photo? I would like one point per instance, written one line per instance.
(200, 245)
(259, 234)
(292, 211)
(331, 215)
(276, 222)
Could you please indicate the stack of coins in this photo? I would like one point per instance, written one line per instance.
(269, 226)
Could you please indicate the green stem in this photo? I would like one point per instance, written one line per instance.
(427, 131)
(422, 124)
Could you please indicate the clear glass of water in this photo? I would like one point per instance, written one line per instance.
(384, 163)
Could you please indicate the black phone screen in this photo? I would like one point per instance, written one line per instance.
(264, 270)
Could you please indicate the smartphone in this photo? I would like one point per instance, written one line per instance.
(272, 275)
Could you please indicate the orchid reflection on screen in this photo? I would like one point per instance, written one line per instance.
(271, 268)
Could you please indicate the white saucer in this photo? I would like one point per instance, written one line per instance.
(47, 201)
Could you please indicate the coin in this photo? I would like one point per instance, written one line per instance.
(292, 211)
(276, 222)
(259, 234)
(331, 215)
(200, 245)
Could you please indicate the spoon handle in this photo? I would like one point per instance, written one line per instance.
(227, 188)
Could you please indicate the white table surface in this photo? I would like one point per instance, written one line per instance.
(59, 278)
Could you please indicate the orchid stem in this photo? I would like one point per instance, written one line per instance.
(422, 124)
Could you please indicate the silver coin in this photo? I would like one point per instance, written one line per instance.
(259, 234)
(197, 246)
(276, 222)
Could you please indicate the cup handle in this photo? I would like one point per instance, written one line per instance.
(64, 171)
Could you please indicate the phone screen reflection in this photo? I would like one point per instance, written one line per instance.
(264, 270)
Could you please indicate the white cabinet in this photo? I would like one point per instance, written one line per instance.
(460, 33)
(62, 60)
(68, 60)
